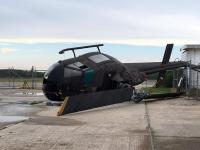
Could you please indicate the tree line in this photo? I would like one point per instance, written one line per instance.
(6, 73)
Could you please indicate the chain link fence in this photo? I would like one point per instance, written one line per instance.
(24, 79)
(194, 85)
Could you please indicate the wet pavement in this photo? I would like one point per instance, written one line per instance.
(26, 122)
(16, 105)
(8, 119)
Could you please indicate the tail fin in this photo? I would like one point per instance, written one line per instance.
(166, 58)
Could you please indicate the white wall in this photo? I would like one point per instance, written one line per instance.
(194, 56)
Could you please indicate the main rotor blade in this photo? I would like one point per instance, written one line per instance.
(166, 58)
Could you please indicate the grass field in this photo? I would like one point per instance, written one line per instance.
(20, 79)
(25, 83)
(160, 90)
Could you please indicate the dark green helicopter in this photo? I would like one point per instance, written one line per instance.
(99, 78)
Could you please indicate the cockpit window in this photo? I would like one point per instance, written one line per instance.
(73, 66)
(68, 73)
(78, 65)
(98, 58)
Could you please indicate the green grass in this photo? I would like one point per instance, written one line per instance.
(160, 90)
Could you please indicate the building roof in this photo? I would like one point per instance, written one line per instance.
(191, 47)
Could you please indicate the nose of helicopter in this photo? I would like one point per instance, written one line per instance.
(50, 92)
(51, 80)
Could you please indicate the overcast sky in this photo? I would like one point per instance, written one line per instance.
(128, 22)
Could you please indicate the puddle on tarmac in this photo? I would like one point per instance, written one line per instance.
(30, 93)
(19, 110)
(8, 119)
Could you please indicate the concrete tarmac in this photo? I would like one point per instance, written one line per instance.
(27, 123)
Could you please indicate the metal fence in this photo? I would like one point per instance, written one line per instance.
(193, 90)
(185, 80)
(29, 79)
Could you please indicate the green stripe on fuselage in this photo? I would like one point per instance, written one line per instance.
(89, 76)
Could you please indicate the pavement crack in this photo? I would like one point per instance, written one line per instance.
(150, 131)
(10, 125)
(2, 128)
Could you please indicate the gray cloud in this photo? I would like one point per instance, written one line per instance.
(97, 19)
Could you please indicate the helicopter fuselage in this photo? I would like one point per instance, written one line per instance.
(87, 73)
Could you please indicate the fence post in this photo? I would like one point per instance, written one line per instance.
(35, 78)
(13, 78)
(186, 82)
(32, 76)
(197, 85)
(9, 70)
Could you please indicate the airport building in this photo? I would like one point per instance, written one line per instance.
(191, 53)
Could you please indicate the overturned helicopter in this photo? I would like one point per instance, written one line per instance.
(96, 79)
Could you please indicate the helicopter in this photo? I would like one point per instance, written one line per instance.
(100, 77)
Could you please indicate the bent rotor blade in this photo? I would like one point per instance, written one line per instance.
(166, 58)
